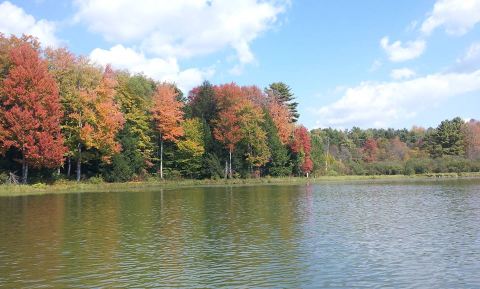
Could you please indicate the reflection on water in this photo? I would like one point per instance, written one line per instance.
(422, 234)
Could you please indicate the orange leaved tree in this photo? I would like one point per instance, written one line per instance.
(301, 145)
(281, 117)
(99, 120)
(227, 126)
(167, 116)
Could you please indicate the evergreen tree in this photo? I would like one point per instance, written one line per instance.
(283, 94)
(202, 104)
(318, 152)
(129, 163)
(279, 164)
(134, 95)
(448, 139)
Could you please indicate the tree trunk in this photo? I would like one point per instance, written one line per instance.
(230, 165)
(69, 167)
(79, 163)
(250, 165)
(24, 171)
(161, 159)
(226, 169)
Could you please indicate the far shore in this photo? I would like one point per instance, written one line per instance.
(84, 187)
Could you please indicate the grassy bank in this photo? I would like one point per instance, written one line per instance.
(74, 187)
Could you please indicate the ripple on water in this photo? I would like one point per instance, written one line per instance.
(369, 235)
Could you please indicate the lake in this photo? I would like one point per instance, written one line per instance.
(364, 234)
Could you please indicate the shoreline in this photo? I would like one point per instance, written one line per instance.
(85, 187)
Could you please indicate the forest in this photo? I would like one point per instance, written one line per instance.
(63, 117)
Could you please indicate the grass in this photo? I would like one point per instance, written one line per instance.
(74, 187)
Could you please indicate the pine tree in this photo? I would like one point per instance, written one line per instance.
(448, 138)
(201, 101)
(278, 164)
(283, 94)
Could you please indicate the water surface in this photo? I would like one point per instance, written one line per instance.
(357, 234)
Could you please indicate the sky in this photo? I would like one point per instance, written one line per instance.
(371, 63)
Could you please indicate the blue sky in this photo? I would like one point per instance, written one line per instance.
(371, 63)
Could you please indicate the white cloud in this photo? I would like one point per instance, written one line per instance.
(457, 17)
(470, 60)
(473, 52)
(182, 28)
(158, 68)
(402, 73)
(375, 65)
(398, 52)
(14, 20)
(412, 26)
(381, 104)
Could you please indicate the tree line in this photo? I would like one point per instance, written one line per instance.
(452, 147)
(63, 117)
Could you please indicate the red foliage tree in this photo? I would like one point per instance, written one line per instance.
(30, 112)
(307, 165)
(370, 150)
(281, 117)
(227, 127)
(255, 95)
(301, 145)
(397, 150)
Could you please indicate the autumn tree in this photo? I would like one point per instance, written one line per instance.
(30, 111)
(370, 150)
(227, 128)
(167, 115)
(99, 120)
(397, 150)
(228, 131)
(254, 94)
(74, 76)
(472, 139)
(251, 120)
(191, 148)
(301, 147)
(282, 118)
(7, 44)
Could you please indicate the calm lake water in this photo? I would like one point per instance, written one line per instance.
(422, 234)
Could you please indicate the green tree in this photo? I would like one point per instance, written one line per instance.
(283, 93)
(279, 163)
(201, 101)
(134, 95)
(129, 163)
(318, 152)
(191, 148)
(448, 139)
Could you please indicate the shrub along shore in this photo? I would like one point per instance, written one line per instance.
(155, 185)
